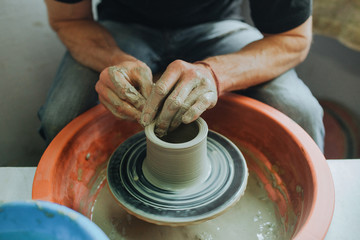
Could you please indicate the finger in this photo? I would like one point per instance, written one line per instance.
(113, 111)
(190, 100)
(177, 120)
(124, 89)
(172, 104)
(159, 91)
(204, 102)
(118, 107)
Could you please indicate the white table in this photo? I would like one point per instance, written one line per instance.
(346, 219)
(16, 184)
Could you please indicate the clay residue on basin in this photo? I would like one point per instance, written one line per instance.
(253, 217)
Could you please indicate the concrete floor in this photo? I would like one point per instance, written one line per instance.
(30, 53)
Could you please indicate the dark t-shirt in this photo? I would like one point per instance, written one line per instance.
(269, 16)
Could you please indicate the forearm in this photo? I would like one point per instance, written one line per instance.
(261, 60)
(90, 44)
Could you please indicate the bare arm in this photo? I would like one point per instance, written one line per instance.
(124, 82)
(88, 42)
(193, 87)
(262, 60)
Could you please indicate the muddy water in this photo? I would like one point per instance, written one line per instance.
(253, 217)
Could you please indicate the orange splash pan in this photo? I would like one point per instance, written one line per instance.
(285, 158)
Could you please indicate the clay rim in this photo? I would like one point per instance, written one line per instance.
(202, 133)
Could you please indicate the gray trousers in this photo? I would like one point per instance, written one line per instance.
(73, 89)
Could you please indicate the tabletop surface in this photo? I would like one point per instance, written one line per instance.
(16, 184)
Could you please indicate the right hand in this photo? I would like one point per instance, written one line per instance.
(124, 88)
(183, 92)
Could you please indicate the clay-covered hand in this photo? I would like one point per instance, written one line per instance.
(124, 88)
(186, 90)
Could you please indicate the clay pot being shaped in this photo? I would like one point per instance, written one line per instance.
(186, 177)
(291, 167)
(179, 160)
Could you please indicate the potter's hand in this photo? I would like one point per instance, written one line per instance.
(124, 88)
(186, 90)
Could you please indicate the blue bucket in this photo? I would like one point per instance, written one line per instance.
(45, 220)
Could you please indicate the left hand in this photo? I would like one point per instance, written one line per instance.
(123, 88)
(186, 90)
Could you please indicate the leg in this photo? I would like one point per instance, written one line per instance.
(286, 93)
(142, 42)
(73, 89)
(212, 39)
(72, 93)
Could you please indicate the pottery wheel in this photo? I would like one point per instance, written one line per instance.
(223, 187)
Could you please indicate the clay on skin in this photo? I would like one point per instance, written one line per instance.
(190, 94)
(125, 89)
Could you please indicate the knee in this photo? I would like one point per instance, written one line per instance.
(72, 93)
(51, 122)
(308, 114)
(291, 96)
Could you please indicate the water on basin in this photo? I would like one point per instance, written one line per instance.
(253, 217)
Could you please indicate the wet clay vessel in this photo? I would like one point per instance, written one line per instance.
(291, 167)
(189, 177)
